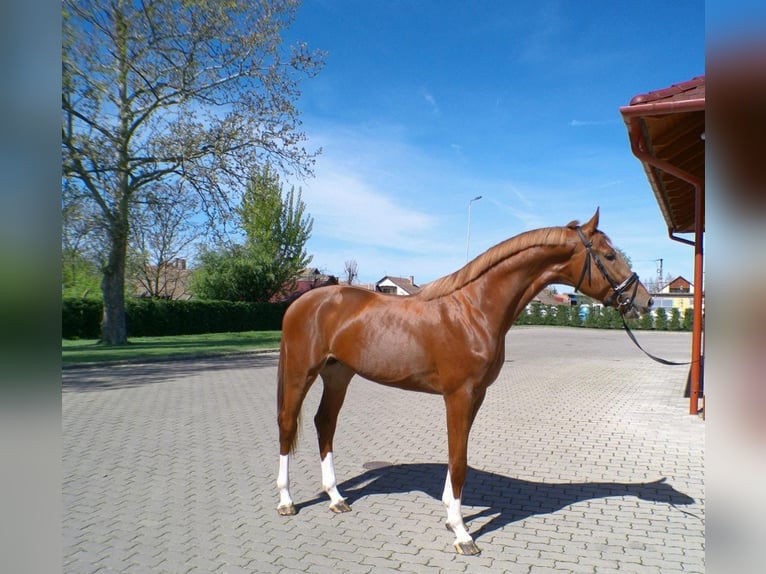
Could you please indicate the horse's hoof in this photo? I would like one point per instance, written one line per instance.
(287, 510)
(467, 548)
(340, 507)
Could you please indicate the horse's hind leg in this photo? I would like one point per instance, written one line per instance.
(293, 386)
(336, 378)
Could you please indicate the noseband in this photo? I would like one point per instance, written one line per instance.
(624, 301)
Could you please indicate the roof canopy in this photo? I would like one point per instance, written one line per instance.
(666, 130)
(667, 134)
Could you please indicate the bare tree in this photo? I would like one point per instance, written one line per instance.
(652, 285)
(164, 91)
(80, 248)
(351, 270)
(163, 229)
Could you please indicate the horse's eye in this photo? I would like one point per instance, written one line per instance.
(610, 256)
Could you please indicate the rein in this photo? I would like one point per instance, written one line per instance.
(618, 294)
(647, 353)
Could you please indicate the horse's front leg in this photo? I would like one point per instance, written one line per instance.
(464, 543)
(462, 407)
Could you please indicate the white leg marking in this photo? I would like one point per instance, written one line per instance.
(329, 482)
(454, 513)
(455, 522)
(447, 497)
(283, 481)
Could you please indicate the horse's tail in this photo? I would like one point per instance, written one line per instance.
(281, 391)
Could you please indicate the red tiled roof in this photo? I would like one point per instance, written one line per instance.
(666, 129)
(693, 89)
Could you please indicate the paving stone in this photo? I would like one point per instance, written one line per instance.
(171, 467)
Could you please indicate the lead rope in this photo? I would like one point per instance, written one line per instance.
(647, 353)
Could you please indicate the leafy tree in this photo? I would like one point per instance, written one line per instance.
(592, 317)
(614, 318)
(277, 229)
(575, 320)
(625, 257)
(537, 314)
(602, 318)
(646, 321)
(160, 90)
(80, 276)
(80, 269)
(674, 324)
(230, 274)
(688, 322)
(661, 319)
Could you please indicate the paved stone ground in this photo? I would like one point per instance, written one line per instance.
(583, 459)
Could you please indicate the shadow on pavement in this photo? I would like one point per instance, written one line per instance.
(510, 499)
(134, 375)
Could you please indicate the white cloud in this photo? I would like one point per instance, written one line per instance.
(402, 210)
(349, 209)
(380, 201)
(430, 100)
(587, 123)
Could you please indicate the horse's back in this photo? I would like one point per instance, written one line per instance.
(336, 300)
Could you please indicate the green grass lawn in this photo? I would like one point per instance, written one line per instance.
(141, 348)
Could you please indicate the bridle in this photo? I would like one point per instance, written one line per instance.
(624, 301)
(619, 294)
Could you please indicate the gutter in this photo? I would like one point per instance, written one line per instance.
(632, 115)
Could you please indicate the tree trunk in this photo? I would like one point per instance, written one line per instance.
(114, 329)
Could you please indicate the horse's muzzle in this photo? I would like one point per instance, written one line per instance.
(631, 313)
(634, 310)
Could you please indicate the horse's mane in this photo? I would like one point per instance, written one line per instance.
(494, 255)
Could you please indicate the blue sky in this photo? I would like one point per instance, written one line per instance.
(425, 104)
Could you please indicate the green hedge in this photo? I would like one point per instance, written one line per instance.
(81, 318)
(603, 318)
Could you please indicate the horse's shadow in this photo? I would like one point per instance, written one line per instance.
(509, 499)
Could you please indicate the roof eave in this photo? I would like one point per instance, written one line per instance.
(662, 108)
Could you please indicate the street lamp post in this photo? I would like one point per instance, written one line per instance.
(468, 237)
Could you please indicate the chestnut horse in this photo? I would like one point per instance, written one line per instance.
(447, 339)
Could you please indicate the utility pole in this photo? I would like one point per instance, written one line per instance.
(659, 274)
(468, 237)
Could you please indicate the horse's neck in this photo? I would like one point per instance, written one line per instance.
(503, 291)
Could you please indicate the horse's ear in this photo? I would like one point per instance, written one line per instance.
(592, 224)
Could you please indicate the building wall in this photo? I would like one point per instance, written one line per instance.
(679, 293)
(669, 300)
(391, 284)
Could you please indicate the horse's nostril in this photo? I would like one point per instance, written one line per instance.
(651, 302)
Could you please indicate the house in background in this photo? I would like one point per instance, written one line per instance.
(679, 293)
(366, 286)
(678, 285)
(167, 281)
(397, 285)
(549, 297)
(307, 280)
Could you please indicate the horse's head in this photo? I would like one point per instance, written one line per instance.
(612, 281)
